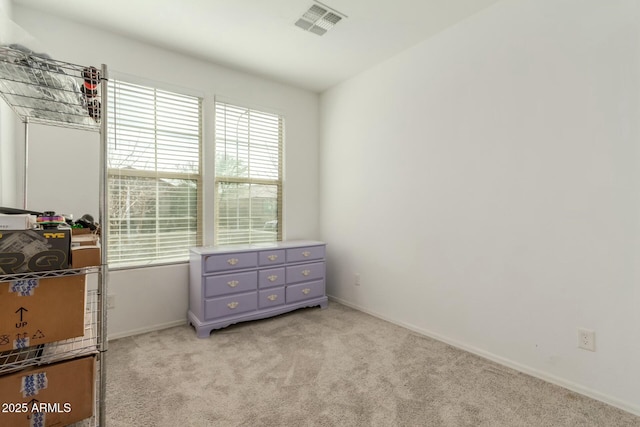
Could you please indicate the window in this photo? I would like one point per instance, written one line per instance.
(248, 182)
(154, 183)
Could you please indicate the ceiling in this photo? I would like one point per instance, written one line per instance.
(259, 36)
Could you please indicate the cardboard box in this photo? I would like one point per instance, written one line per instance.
(84, 240)
(57, 395)
(38, 311)
(17, 221)
(85, 256)
(23, 251)
(80, 231)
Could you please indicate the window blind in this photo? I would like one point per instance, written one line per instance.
(154, 183)
(248, 183)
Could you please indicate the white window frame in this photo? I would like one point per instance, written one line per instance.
(278, 182)
(158, 174)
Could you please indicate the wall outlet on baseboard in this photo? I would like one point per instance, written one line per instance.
(111, 302)
(587, 339)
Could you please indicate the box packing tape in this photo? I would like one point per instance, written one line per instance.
(32, 384)
(38, 419)
(23, 287)
(21, 343)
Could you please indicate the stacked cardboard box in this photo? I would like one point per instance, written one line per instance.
(38, 311)
(52, 395)
(35, 312)
(85, 248)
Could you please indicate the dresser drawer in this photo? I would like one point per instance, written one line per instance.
(305, 291)
(236, 283)
(306, 253)
(213, 263)
(305, 272)
(271, 277)
(230, 305)
(271, 297)
(271, 257)
(230, 283)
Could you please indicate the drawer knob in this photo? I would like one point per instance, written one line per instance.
(306, 291)
(233, 283)
(272, 297)
(232, 261)
(272, 257)
(306, 272)
(306, 253)
(232, 305)
(272, 278)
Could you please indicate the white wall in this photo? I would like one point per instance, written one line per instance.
(485, 185)
(8, 145)
(155, 297)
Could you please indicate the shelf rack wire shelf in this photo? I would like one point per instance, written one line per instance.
(41, 90)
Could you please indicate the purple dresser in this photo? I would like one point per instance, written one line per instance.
(231, 284)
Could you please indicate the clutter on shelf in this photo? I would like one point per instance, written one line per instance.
(64, 358)
(47, 242)
(41, 88)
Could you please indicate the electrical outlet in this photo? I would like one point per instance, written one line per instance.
(587, 339)
(357, 281)
(111, 302)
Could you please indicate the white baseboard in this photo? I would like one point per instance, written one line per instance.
(625, 406)
(146, 329)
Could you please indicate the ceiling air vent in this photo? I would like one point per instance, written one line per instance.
(319, 19)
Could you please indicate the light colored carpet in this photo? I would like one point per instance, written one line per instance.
(332, 367)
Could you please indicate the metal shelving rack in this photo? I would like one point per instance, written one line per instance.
(46, 91)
